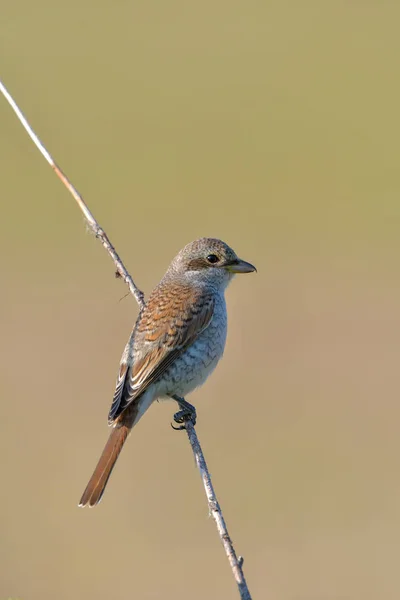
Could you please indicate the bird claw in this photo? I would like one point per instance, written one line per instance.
(178, 419)
(187, 413)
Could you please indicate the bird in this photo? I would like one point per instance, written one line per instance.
(176, 343)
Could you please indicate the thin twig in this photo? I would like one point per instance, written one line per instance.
(214, 507)
(216, 512)
(94, 226)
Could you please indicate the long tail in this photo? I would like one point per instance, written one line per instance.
(98, 481)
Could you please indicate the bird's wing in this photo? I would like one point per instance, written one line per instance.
(170, 322)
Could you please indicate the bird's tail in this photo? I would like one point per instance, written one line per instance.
(98, 481)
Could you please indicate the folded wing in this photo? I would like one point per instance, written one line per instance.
(169, 324)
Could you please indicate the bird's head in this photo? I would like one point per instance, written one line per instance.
(210, 261)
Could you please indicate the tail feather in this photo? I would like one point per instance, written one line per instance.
(98, 481)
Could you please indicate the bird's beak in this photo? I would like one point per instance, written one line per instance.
(239, 266)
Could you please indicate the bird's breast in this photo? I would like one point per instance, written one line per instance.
(197, 362)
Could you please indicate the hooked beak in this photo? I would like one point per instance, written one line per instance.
(239, 266)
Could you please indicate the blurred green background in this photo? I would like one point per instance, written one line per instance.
(275, 126)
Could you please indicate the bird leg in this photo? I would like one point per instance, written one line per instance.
(187, 412)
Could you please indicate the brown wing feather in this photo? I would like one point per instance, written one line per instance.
(171, 320)
(119, 389)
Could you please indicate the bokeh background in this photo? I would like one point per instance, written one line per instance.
(275, 126)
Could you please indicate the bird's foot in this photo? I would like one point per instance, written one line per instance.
(186, 413)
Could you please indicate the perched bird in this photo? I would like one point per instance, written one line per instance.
(176, 343)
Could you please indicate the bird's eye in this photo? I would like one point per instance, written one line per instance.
(212, 258)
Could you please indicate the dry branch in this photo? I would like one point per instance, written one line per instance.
(214, 507)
